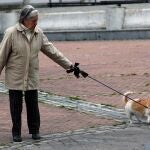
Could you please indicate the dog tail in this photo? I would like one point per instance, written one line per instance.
(125, 96)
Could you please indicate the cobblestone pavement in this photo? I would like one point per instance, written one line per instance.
(122, 64)
(104, 138)
(53, 120)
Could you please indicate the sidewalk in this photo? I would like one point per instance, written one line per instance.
(122, 64)
(53, 120)
(106, 138)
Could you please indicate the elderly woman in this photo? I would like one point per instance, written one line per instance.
(19, 55)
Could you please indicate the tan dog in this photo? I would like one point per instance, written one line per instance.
(135, 109)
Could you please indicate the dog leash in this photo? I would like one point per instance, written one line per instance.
(85, 74)
(115, 90)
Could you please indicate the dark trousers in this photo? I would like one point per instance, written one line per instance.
(16, 105)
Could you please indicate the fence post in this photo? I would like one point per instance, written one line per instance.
(114, 18)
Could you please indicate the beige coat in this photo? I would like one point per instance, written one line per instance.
(19, 56)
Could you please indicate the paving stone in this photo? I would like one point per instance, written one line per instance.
(101, 61)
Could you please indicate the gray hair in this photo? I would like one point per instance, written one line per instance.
(27, 12)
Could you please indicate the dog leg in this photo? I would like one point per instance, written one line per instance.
(130, 121)
(137, 118)
(148, 119)
(130, 118)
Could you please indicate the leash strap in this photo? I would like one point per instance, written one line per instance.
(84, 74)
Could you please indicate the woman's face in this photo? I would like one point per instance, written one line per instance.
(31, 22)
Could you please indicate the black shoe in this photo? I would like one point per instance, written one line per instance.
(36, 136)
(17, 138)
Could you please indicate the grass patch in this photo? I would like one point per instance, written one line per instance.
(74, 98)
(117, 123)
(107, 94)
(108, 105)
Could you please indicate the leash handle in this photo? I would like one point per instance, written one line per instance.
(84, 74)
(77, 71)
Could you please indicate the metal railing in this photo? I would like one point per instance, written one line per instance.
(65, 3)
(62, 3)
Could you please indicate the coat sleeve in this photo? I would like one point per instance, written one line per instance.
(5, 49)
(52, 52)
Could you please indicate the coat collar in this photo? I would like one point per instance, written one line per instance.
(20, 28)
